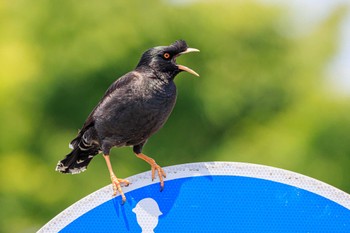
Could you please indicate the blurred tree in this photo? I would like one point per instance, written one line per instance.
(260, 97)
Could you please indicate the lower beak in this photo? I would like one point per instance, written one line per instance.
(184, 68)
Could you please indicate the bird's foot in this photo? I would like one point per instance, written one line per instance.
(154, 167)
(161, 174)
(116, 182)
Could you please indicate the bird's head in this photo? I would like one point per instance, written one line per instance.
(163, 58)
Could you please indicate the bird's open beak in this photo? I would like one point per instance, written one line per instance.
(184, 68)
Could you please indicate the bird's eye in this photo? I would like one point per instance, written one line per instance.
(166, 55)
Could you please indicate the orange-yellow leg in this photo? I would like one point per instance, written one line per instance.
(154, 167)
(116, 181)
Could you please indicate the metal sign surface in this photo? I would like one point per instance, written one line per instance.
(212, 197)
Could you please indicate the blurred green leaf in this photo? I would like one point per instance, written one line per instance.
(260, 98)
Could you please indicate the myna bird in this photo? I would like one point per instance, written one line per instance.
(133, 108)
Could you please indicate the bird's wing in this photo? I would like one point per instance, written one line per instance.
(120, 83)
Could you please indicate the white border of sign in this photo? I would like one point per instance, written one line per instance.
(199, 169)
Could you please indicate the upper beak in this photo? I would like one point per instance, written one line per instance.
(184, 68)
(189, 50)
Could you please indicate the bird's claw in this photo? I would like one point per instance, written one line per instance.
(161, 174)
(116, 183)
(154, 167)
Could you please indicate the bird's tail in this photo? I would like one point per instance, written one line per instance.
(77, 160)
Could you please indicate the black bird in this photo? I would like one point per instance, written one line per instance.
(133, 108)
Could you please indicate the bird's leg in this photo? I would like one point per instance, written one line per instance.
(116, 181)
(154, 166)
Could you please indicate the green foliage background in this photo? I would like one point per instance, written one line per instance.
(261, 97)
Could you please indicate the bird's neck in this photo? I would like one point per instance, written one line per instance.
(159, 83)
(163, 77)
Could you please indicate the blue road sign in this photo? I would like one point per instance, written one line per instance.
(212, 197)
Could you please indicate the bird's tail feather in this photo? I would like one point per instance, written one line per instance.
(77, 160)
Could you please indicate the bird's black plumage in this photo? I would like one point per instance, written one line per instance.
(133, 108)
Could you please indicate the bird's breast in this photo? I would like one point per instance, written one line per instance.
(132, 118)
